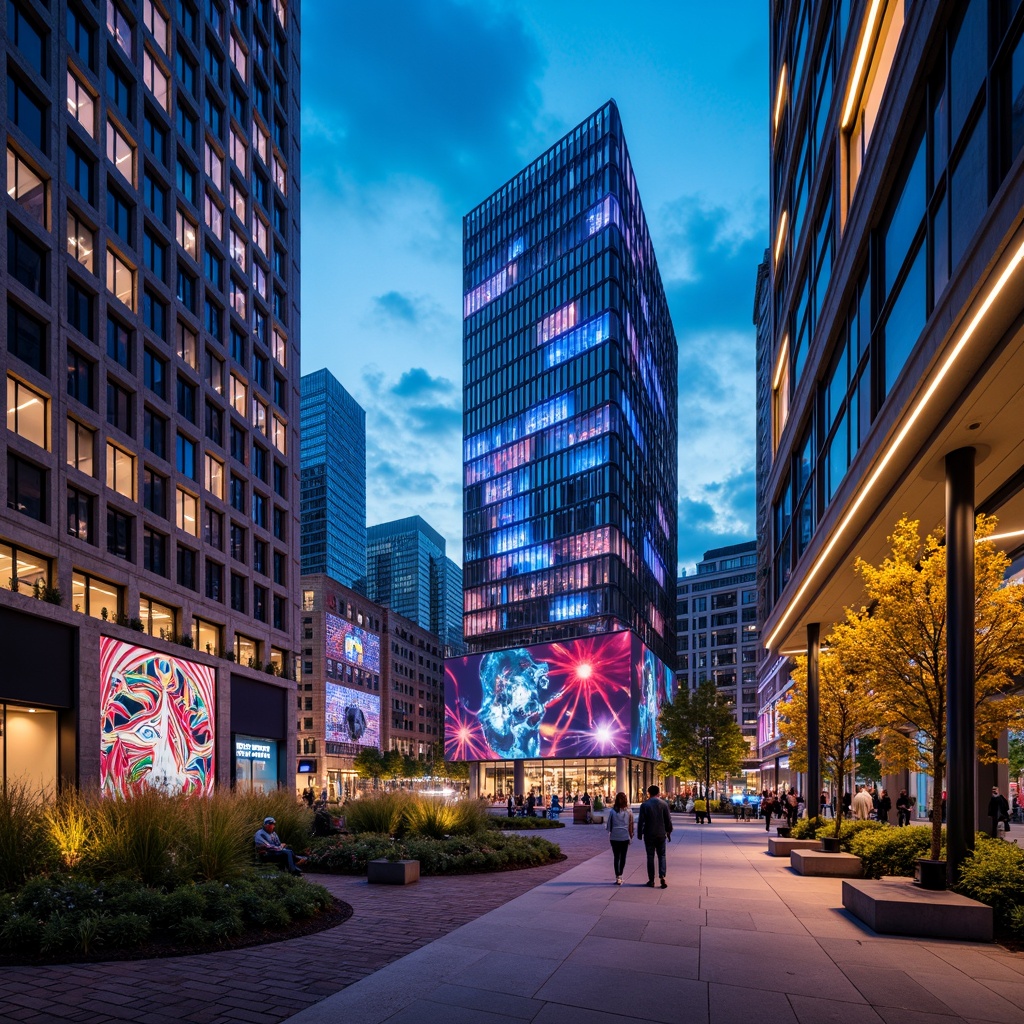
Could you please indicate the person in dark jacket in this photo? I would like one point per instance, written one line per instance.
(655, 829)
(884, 806)
(998, 811)
(902, 809)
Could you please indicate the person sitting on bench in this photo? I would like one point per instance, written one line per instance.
(269, 847)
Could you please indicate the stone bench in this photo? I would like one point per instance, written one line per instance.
(393, 872)
(828, 865)
(895, 906)
(779, 847)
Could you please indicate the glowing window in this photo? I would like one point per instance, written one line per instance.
(119, 27)
(156, 79)
(81, 105)
(239, 395)
(155, 20)
(25, 187)
(214, 478)
(186, 231)
(279, 346)
(557, 323)
(120, 151)
(214, 217)
(278, 437)
(187, 512)
(120, 279)
(120, 471)
(81, 241)
(26, 412)
(214, 167)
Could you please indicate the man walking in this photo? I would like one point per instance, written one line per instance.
(655, 828)
(998, 811)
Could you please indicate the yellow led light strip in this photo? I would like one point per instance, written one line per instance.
(780, 236)
(781, 365)
(780, 92)
(859, 67)
(900, 437)
(1004, 536)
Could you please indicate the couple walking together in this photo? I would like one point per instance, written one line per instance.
(655, 829)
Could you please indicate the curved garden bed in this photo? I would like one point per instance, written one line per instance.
(451, 855)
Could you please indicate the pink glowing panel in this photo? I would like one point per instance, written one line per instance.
(489, 290)
(556, 323)
(157, 721)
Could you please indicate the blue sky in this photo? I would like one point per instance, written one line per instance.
(413, 111)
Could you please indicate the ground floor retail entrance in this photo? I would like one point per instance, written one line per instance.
(568, 777)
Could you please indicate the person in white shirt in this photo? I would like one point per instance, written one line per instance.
(862, 805)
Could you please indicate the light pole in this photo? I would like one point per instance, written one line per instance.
(706, 739)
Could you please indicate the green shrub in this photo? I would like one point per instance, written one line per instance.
(215, 837)
(136, 836)
(489, 851)
(383, 813)
(294, 819)
(994, 874)
(891, 851)
(435, 818)
(69, 827)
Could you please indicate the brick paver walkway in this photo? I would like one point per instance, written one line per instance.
(266, 984)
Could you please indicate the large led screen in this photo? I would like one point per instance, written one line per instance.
(592, 697)
(157, 721)
(352, 716)
(351, 644)
(569, 699)
(654, 684)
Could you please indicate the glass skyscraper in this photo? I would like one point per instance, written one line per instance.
(333, 498)
(570, 411)
(408, 571)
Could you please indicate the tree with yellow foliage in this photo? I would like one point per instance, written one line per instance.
(897, 644)
(848, 712)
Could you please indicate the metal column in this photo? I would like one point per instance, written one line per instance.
(961, 758)
(621, 776)
(519, 778)
(812, 788)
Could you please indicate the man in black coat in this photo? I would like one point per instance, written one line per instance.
(998, 811)
(655, 828)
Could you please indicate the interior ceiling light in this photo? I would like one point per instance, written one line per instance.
(781, 365)
(780, 93)
(912, 417)
(780, 236)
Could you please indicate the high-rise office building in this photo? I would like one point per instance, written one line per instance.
(570, 422)
(570, 405)
(333, 501)
(151, 292)
(897, 348)
(407, 570)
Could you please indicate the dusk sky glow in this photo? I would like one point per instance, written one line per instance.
(414, 111)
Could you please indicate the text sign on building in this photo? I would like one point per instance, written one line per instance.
(253, 749)
(591, 697)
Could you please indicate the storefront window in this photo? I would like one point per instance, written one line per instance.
(255, 764)
(28, 748)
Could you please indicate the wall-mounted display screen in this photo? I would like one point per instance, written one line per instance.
(352, 716)
(351, 644)
(157, 721)
(590, 697)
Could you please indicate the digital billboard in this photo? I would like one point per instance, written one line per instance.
(590, 697)
(351, 644)
(352, 716)
(157, 721)
(654, 684)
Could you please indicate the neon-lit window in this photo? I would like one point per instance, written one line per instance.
(489, 290)
(557, 323)
(580, 339)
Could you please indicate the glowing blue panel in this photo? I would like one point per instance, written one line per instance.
(578, 340)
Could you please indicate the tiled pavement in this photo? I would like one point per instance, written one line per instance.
(266, 984)
(737, 937)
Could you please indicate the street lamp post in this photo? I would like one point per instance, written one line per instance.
(706, 739)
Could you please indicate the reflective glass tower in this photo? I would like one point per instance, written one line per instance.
(408, 571)
(570, 413)
(333, 497)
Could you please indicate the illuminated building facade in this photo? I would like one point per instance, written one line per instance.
(407, 570)
(570, 407)
(717, 630)
(370, 678)
(150, 284)
(333, 483)
(897, 345)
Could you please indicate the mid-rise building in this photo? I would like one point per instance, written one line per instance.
(333, 482)
(897, 347)
(408, 571)
(370, 677)
(717, 630)
(570, 458)
(149, 528)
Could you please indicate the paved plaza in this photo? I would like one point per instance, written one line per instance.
(737, 937)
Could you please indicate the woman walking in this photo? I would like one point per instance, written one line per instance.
(620, 832)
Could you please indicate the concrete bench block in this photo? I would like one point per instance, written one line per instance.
(393, 872)
(895, 906)
(778, 847)
(831, 865)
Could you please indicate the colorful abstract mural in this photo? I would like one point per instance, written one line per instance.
(157, 721)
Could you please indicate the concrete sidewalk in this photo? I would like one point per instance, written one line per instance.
(736, 937)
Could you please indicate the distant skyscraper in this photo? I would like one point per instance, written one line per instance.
(570, 405)
(333, 499)
(407, 570)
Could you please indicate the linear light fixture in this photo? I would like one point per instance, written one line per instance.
(859, 69)
(780, 235)
(781, 364)
(1002, 536)
(780, 92)
(908, 424)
